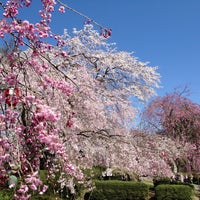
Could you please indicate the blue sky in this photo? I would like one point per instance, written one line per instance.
(165, 33)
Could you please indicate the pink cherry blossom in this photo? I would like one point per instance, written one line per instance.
(62, 9)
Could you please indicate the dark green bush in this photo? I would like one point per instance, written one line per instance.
(183, 183)
(196, 179)
(166, 180)
(118, 174)
(173, 192)
(118, 190)
(6, 194)
(45, 197)
(161, 180)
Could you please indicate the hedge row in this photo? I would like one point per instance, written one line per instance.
(173, 192)
(118, 190)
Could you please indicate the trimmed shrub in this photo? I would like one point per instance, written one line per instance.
(173, 192)
(118, 190)
(182, 183)
(118, 174)
(161, 180)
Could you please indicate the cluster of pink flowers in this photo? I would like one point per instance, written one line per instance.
(11, 9)
(24, 28)
(2, 122)
(62, 9)
(49, 5)
(52, 142)
(22, 193)
(32, 182)
(46, 114)
(27, 3)
(70, 121)
(4, 28)
(11, 117)
(11, 79)
(60, 85)
(64, 87)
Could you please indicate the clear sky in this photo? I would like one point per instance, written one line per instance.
(165, 33)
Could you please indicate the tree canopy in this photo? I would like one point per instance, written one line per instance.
(177, 117)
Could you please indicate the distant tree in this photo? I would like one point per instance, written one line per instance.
(177, 117)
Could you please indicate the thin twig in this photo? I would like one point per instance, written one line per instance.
(82, 15)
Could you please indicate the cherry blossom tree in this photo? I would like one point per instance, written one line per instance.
(110, 77)
(138, 153)
(177, 117)
(53, 96)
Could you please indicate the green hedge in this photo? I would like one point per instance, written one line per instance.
(6, 194)
(118, 190)
(161, 180)
(173, 192)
